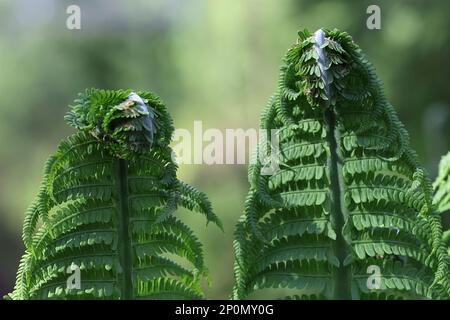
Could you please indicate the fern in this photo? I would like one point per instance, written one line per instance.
(442, 194)
(442, 186)
(107, 205)
(350, 192)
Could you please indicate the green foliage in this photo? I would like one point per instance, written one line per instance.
(107, 205)
(350, 192)
(442, 185)
(442, 194)
(125, 121)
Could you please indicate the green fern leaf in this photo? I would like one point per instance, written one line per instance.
(441, 197)
(107, 207)
(442, 185)
(350, 194)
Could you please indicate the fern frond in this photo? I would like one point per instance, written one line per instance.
(193, 199)
(167, 289)
(350, 192)
(442, 185)
(38, 209)
(107, 208)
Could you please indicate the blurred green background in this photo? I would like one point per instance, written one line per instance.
(215, 61)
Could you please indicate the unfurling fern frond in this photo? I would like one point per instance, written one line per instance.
(107, 208)
(441, 198)
(351, 196)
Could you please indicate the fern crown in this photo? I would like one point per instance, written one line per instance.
(124, 120)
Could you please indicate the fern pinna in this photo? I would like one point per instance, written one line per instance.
(442, 195)
(106, 206)
(349, 197)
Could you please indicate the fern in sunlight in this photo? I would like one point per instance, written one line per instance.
(350, 195)
(442, 185)
(442, 195)
(107, 207)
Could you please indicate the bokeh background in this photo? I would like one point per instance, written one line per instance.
(210, 60)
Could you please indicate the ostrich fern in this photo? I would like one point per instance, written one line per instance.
(442, 194)
(350, 192)
(442, 186)
(107, 205)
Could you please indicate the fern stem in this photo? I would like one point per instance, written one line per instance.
(123, 229)
(341, 274)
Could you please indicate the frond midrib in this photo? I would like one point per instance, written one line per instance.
(124, 242)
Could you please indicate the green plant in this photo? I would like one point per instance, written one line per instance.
(106, 206)
(442, 196)
(350, 195)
